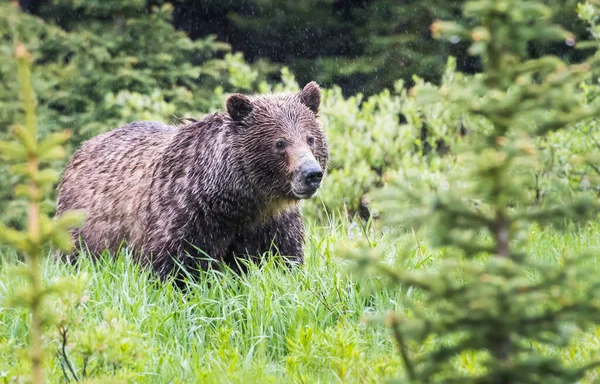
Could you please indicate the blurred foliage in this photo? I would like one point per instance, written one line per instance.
(491, 300)
(29, 160)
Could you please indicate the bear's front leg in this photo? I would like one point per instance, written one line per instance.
(201, 247)
(283, 234)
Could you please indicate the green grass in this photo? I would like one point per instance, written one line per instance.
(268, 326)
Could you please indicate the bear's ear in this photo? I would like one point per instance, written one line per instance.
(311, 96)
(238, 106)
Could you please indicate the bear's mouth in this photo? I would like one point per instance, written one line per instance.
(304, 194)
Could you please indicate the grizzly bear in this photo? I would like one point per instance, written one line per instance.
(206, 192)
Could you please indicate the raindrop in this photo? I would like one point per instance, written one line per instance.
(454, 39)
(570, 41)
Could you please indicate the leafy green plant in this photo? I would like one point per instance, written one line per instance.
(88, 348)
(490, 301)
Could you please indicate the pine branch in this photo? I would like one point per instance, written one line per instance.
(463, 215)
(582, 208)
(394, 323)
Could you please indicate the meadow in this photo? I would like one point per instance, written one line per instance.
(268, 326)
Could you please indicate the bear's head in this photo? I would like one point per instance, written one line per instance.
(283, 148)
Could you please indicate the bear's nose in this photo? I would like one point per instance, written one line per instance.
(312, 177)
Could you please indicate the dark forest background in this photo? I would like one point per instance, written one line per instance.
(360, 45)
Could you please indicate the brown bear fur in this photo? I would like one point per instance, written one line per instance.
(224, 185)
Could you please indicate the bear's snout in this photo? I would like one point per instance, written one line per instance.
(312, 177)
(307, 177)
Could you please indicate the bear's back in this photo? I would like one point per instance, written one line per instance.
(109, 177)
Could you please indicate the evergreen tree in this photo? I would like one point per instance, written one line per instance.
(491, 299)
(397, 43)
(29, 158)
(362, 46)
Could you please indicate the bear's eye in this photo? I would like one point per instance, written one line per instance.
(280, 144)
(310, 140)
